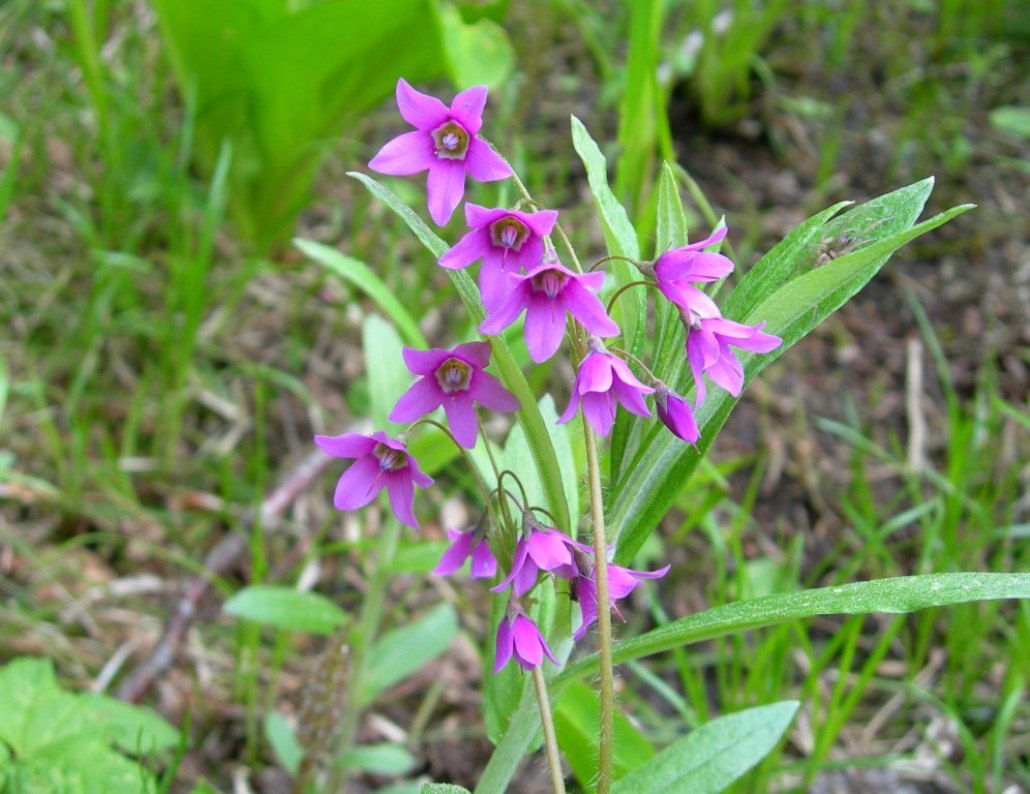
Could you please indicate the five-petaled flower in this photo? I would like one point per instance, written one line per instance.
(520, 635)
(621, 582)
(676, 272)
(602, 380)
(472, 544)
(539, 549)
(446, 143)
(379, 462)
(506, 240)
(676, 413)
(708, 350)
(454, 379)
(546, 293)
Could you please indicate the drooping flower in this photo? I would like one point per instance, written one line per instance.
(445, 142)
(546, 293)
(539, 549)
(379, 462)
(520, 636)
(456, 380)
(621, 582)
(602, 380)
(676, 413)
(708, 350)
(470, 543)
(506, 241)
(676, 272)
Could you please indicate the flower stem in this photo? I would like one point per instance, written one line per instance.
(550, 740)
(624, 287)
(604, 618)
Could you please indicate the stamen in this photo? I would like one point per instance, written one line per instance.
(390, 459)
(550, 282)
(451, 141)
(454, 375)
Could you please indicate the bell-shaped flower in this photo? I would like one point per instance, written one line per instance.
(519, 636)
(546, 293)
(676, 413)
(709, 341)
(506, 240)
(621, 582)
(539, 549)
(456, 380)
(602, 381)
(446, 143)
(676, 272)
(379, 462)
(472, 544)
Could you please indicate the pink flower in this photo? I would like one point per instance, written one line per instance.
(604, 379)
(506, 241)
(379, 462)
(445, 142)
(545, 294)
(621, 582)
(708, 350)
(539, 549)
(677, 270)
(454, 379)
(471, 543)
(521, 636)
(676, 414)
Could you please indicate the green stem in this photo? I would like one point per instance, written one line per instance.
(624, 287)
(604, 617)
(550, 740)
(371, 617)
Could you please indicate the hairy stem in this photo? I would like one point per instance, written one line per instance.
(550, 740)
(604, 617)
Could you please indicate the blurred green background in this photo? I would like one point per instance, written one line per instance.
(168, 352)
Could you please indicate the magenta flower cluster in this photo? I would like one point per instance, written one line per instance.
(520, 274)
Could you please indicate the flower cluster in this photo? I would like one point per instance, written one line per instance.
(520, 274)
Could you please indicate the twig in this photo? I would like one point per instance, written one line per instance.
(222, 558)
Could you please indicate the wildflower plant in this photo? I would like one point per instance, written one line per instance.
(657, 337)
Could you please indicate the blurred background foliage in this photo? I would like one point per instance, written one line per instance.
(166, 355)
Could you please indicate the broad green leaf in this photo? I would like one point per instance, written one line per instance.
(286, 608)
(360, 275)
(379, 759)
(896, 595)
(133, 729)
(388, 378)
(404, 650)
(283, 740)
(537, 433)
(576, 717)
(646, 491)
(478, 53)
(709, 759)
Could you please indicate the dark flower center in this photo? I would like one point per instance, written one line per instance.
(390, 459)
(454, 375)
(509, 232)
(451, 141)
(550, 282)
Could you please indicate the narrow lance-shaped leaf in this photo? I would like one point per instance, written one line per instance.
(529, 416)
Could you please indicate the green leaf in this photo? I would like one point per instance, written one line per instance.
(360, 275)
(444, 788)
(537, 433)
(897, 595)
(379, 759)
(709, 759)
(388, 378)
(1010, 119)
(404, 650)
(576, 717)
(477, 54)
(286, 608)
(283, 740)
(133, 729)
(646, 491)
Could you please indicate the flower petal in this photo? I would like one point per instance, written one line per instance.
(467, 107)
(541, 223)
(507, 313)
(570, 409)
(445, 186)
(545, 328)
(503, 648)
(474, 245)
(407, 154)
(595, 373)
(599, 411)
(461, 416)
(423, 397)
(348, 445)
(484, 164)
(527, 642)
(419, 110)
(484, 565)
(586, 307)
(631, 398)
(424, 362)
(358, 485)
(728, 372)
(402, 496)
(548, 550)
(455, 555)
(475, 353)
(488, 392)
